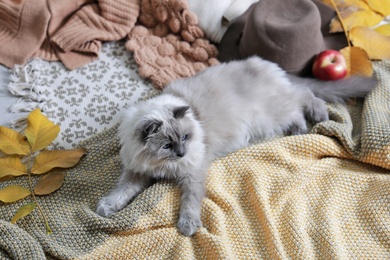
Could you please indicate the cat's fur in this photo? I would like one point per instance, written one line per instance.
(222, 109)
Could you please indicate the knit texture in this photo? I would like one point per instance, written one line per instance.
(70, 31)
(15, 32)
(321, 195)
(168, 44)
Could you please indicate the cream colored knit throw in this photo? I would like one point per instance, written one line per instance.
(324, 195)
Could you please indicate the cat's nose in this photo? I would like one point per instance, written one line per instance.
(180, 153)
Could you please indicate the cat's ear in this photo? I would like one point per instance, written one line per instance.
(179, 112)
(148, 127)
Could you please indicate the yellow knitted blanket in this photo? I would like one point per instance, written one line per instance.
(323, 195)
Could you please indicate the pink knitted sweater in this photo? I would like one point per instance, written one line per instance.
(166, 42)
(70, 31)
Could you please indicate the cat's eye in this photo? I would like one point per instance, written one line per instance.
(167, 146)
(184, 137)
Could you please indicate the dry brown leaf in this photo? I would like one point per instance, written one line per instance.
(6, 178)
(357, 61)
(375, 44)
(48, 160)
(12, 142)
(13, 193)
(380, 6)
(40, 131)
(383, 29)
(23, 211)
(12, 166)
(49, 183)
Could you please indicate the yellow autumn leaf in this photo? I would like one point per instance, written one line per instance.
(344, 5)
(380, 6)
(367, 18)
(48, 160)
(12, 166)
(357, 61)
(12, 142)
(49, 183)
(375, 44)
(13, 193)
(383, 29)
(40, 131)
(23, 211)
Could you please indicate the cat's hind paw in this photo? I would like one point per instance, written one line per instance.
(318, 112)
(106, 207)
(188, 225)
(298, 129)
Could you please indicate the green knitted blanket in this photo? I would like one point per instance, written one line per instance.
(320, 195)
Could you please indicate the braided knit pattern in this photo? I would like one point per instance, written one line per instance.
(168, 44)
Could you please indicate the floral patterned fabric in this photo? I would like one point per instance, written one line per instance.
(83, 101)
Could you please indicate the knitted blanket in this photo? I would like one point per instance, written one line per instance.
(321, 195)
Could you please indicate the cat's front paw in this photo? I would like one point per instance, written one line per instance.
(188, 225)
(106, 207)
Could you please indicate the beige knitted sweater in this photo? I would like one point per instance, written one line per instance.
(167, 43)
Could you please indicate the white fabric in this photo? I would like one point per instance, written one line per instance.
(215, 15)
(7, 99)
(237, 8)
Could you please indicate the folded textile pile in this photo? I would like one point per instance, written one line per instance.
(168, 43)
(320, 195)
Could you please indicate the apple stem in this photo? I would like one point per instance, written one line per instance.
(341, 21)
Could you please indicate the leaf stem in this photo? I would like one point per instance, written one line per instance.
(341, 22)
(29, 173)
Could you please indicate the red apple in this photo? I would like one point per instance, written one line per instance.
(329, 65)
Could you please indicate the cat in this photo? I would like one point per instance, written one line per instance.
(176, 134)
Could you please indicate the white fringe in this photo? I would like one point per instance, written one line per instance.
(27, 83)
(26, 105)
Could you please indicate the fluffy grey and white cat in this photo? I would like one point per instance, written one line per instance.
(223, 108)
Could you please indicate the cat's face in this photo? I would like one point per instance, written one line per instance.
(168, 139)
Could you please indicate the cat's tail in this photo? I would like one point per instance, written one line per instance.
(339, 90)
